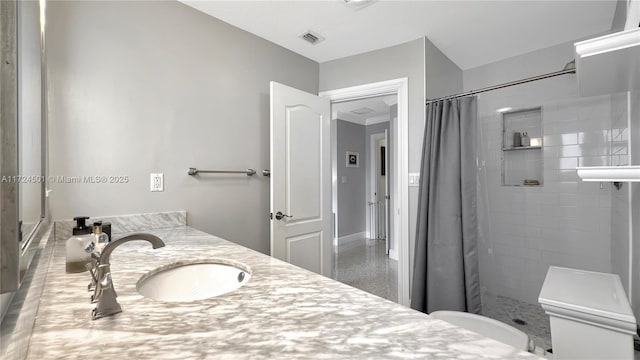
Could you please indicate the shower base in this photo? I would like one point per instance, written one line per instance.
(526, 317)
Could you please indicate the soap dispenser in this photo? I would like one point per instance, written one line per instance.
(99, 237)
(525, 139)
(79, 247)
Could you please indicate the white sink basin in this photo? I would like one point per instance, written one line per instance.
(193, 280)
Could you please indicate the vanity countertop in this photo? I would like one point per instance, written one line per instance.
(283, 312)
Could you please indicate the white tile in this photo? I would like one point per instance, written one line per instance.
(595, 149)
(593, 137)
(561, 139)
(570, 151)
(568, 175)
(567, 163)
(593, 161)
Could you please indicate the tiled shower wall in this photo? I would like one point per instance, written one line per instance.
(620, 197)
(565, 222)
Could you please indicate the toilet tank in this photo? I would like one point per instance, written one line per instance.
(590, 315)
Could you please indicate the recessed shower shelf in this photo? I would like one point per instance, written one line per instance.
(522, 165)
(521, 148)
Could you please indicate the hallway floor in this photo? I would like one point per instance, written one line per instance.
(363, 264)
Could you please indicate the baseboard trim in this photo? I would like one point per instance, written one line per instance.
(351, 238)
(393, 254)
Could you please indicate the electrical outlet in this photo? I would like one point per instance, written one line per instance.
(157, 182)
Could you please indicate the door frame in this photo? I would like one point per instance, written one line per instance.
(373, 174)
(399, 87)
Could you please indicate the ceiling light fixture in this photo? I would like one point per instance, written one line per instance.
(358, 4)
(362, 111)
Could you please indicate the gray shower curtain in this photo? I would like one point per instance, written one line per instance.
(445, 275)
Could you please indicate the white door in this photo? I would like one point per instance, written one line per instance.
(300, 179)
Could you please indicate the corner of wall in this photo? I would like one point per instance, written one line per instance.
(442, 76)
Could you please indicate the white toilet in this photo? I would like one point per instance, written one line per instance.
(589, 313)
(488, 327)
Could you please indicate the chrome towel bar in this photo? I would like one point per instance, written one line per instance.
(248, 172)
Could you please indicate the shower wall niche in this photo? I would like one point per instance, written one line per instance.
(522, 160)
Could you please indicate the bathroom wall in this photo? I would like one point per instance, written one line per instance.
(404, 60)
(430, 74)
(565, 222)
(444, 77)
(351, 180)
(620, 198)
(140, 87)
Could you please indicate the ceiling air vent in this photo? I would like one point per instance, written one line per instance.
(312, 37)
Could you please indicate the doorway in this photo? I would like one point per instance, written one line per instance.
(396, 151)
(361, 251)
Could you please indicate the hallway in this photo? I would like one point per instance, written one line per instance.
(363, 264)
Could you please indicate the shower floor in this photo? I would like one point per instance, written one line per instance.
(537, 322)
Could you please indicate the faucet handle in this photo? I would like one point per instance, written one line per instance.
(94, 280)
(106, 280)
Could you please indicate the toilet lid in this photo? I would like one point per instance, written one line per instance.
(588, 292)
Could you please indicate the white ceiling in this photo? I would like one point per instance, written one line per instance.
(380, 107)
(471, 33)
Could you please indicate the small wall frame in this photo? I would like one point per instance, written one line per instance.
(352, 159)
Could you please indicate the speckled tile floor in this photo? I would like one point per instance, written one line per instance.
(537, 322)
(363, 264)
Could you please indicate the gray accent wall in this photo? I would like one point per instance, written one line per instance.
(351, 193)
(157, 87)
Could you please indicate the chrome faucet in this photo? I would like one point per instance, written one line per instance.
(105, 294)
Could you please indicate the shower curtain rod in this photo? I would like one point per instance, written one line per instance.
(568, 69)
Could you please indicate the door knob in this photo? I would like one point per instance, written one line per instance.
(280, 215)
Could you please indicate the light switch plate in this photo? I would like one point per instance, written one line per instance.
(157, 182)
(414, 179)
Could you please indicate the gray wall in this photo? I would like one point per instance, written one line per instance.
(351, 194)
(444, 77)
(430, 74)
(404, 60)
(156, 86)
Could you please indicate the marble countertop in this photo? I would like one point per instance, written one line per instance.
(283, 312)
